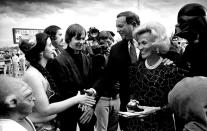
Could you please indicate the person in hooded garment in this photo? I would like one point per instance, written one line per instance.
(188, 101)
(192, 26)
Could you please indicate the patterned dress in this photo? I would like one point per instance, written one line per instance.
(151, 87)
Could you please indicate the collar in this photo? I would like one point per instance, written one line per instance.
(72, 51)
(134, 42)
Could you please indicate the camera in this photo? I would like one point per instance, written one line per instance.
(93, 33)
(99, 49)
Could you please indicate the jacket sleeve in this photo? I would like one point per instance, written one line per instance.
(62, 79)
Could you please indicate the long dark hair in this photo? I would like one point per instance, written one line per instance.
(32, 53)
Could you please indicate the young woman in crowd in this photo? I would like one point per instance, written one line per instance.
(38, 50)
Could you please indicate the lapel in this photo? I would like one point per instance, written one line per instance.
(125, 51)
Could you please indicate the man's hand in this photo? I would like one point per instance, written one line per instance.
(87, 115)
(167, 61)
(90, 92)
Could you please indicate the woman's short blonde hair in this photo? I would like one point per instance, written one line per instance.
(157, 30)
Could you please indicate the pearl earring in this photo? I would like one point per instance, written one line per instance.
(157, 50)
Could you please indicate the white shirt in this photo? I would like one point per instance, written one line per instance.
(11, 125)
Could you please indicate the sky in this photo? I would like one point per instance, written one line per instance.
(39, 14)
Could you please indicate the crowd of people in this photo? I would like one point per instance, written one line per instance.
(69, 81)
(12, 62)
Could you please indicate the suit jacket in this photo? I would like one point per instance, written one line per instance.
(116, 70)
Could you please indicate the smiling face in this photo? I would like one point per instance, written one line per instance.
(77, 42)
(145, 43)
(124, 29)
(49, 52)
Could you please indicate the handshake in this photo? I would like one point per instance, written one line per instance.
(88, 111)
(90, 92)
(87, 99)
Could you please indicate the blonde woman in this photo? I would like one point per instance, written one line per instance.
(151, 80)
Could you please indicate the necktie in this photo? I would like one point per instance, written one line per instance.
(132, 53)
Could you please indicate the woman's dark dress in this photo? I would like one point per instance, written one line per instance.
(151, 87)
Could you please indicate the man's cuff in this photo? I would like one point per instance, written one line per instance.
(94, 91)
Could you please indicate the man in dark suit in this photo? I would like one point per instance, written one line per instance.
(119, 58)
(116, 71)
